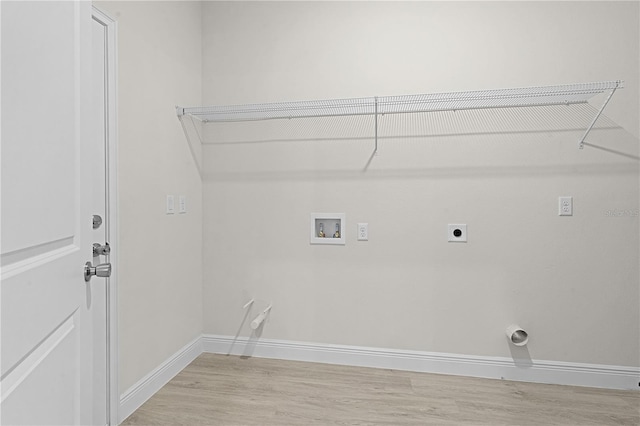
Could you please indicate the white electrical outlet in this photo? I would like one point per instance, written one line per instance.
(457, 233)
(171, 208)
(182, 204)
(565, 206)
(363, 232)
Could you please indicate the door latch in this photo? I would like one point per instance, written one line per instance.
(101, 250)
(97, 221)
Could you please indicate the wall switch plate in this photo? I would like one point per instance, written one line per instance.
(182, 204)
(170, 205)
(457, 233)
(363, 232)
(565, 206)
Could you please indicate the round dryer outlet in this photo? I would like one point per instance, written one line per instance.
(457, 233)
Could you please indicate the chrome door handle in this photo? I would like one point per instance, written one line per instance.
(101, 270)
(99, 249)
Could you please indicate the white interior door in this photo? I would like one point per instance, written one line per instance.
(98, 207)
(48, 369)
(103, 187)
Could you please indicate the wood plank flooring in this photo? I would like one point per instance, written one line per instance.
(229, 390)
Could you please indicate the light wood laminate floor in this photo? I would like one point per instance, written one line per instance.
(229, 390)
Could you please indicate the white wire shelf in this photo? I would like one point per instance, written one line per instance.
(540, 96)
(501, 98)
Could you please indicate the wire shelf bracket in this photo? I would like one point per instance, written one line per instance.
(604, 105)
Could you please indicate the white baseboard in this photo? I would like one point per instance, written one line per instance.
(145, 388)
(551, 372)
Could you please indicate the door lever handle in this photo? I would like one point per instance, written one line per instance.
(99, 249)
(101, 270)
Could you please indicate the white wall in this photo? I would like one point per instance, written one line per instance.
(160, 275)
(572, 282)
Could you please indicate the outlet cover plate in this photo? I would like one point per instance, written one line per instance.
(170, 205)
(565, 206)
(363, 232)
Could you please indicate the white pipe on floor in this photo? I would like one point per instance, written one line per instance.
(260, 318)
